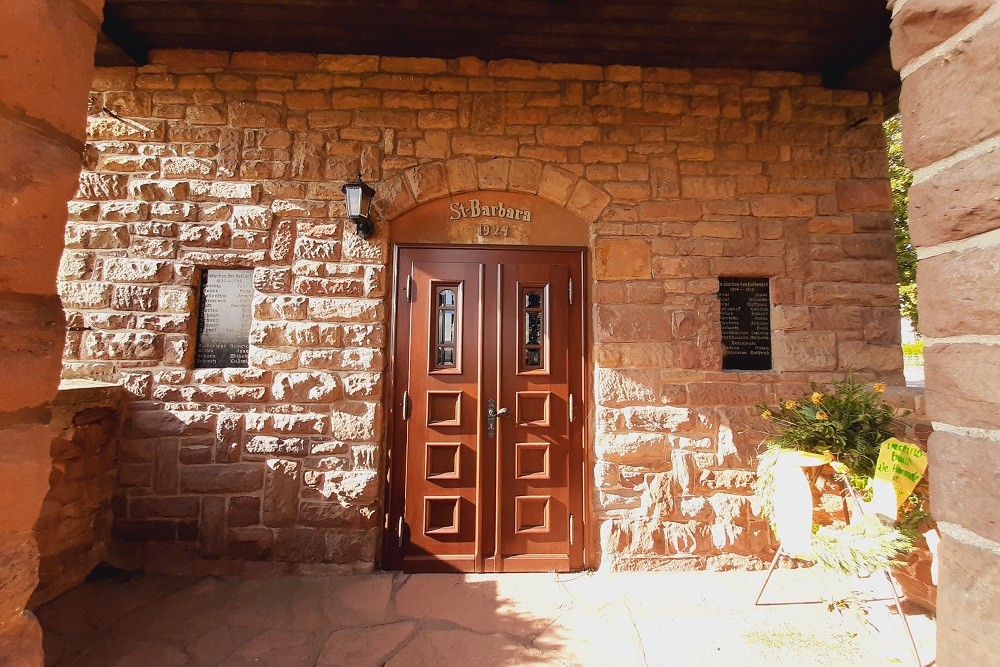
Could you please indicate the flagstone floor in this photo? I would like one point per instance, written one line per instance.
(652, 619)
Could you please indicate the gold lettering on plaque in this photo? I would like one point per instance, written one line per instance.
(493, 230)
(474, 208)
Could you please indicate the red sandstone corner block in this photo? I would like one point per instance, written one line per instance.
(935, 123)
(951, 289)
(962, 379)
(920, 25)
(45, 76)
(957, 203)
(958, 463)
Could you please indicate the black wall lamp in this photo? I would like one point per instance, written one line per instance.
(358, 199)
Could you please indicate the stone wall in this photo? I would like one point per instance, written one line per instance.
(237, 161)
(947, 54)
(46, 48)
(74, 529)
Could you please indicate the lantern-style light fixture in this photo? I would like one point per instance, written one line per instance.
(358, 199)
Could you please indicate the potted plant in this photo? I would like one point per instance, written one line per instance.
(845, 426)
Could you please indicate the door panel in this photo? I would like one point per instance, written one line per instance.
(479, 330)
(443, 357)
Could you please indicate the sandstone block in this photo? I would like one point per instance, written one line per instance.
(123, 346)
(169, 422)
(483, 146)
(281, 493)
(267, 445)
(929, 94)
(616, 387)
(619, 259)
(970, 579)
(857, 356)
(280, 307)
(957, 203)
(299, 545)
(152, 507)
(952, 291)
(362, 385)
(157, 190)
(631, 323)
(963, 468)
(355, 421)
(345, 310)
(348, 487)
(920, 26)
(961, 378)
(134, 297)
(222, 478)
(24, 473)
(122, 270)
(566, 135)
(305, 387)
(243, 511)
(187, 167)
(867, 195)
(805, 351)
(786, 206)
(631, 447)
(305, 424)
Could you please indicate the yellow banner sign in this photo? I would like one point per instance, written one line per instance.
(902, 464)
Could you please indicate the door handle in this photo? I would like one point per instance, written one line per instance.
(492, 412)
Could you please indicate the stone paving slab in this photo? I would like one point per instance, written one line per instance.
(585, 619)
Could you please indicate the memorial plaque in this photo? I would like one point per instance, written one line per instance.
(746, 323)
(224, 318)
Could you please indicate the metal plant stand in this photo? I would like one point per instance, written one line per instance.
(892, 584)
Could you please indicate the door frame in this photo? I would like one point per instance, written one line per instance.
(391, 551)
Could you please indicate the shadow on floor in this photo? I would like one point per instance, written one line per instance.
(652, 619)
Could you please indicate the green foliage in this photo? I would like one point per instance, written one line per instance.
(900, 179)
(860, 548)
(914, 349)
(850, 422)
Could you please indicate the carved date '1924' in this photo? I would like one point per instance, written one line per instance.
(492, 230)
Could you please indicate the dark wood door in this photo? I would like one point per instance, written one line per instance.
(487, 456)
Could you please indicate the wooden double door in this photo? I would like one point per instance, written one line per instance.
(487, 456)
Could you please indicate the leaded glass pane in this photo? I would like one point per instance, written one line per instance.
(533, 328)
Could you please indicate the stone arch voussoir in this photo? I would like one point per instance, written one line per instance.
(427, 182)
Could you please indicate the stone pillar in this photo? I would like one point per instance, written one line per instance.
(46, 51)
(948, 52)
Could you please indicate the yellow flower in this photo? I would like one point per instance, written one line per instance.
(822, 416)
(790, 405)
(879, 387)
(766, 414)
(816, 398)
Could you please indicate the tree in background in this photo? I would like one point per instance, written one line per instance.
(900, 178)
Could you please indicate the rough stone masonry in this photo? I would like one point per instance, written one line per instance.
(236, 161)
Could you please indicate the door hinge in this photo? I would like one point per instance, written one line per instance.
(571, 291)
(409, 289)
(572, 408)
(406, 405)
(399, 531)
(571, 530)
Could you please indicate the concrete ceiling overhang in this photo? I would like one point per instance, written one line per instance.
(846, 41)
